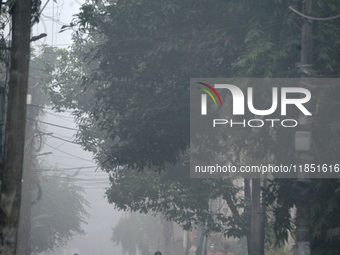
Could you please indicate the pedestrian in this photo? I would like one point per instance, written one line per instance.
(158, 253)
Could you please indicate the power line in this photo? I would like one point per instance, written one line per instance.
(46, 107)
(55, 20)
(56, 156)
(137, 121)
(313, 18)
(92, 175)
(47, 123)
(61, 116)
(68, 168)
(311, 36)
(62, 139)
(68, 153)
(63, 136)
(78, 2)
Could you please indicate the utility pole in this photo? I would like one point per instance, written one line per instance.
(168, 235)
(303, 186)
(24, 227)
(2, 119)
(187, 242)
(263, 219)
(255, 225)
(247, 210)
(24, 235)
(15, 127)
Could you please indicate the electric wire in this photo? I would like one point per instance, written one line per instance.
(55, 125)
(65, 118)
(68, 153)
(78, 2)
(52, 23)
(55, 20)
(318, 39)
(313, 18)
(51, 163)
(57, 156)
(67, 168)
(64, 136)
(59, 138)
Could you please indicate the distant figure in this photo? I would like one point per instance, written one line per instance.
(158, 253)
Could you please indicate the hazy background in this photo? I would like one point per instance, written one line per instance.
(69, 157)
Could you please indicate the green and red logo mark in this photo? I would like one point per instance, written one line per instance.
(204, 97)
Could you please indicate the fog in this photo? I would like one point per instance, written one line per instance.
(102, 216)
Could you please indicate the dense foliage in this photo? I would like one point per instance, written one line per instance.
(179, 198)
(59, 214)
(141, 55)
(138, 234)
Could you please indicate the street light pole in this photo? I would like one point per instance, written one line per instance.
(303, 186)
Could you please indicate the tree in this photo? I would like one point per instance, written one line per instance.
(142, 55)
(58, 216)
(179, 198)
(138, 234)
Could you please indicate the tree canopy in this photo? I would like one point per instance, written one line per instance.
(180, 198)
(140, 57)
(58, 216)
(138, 234)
